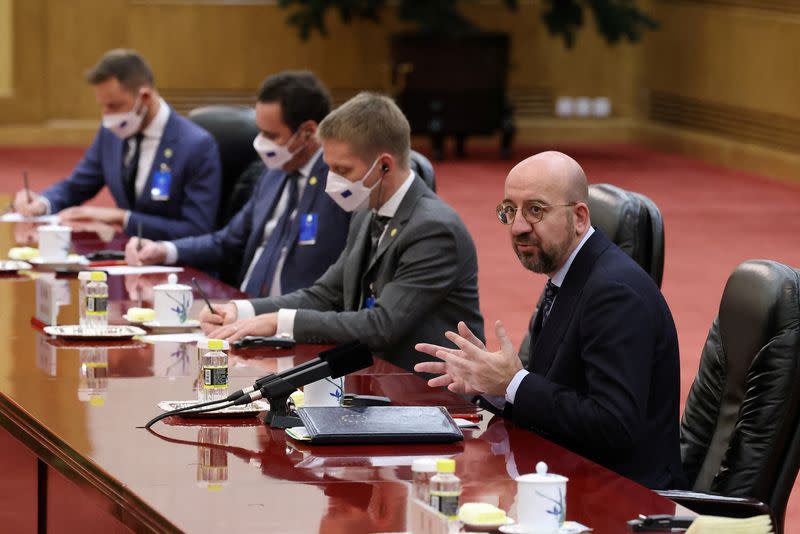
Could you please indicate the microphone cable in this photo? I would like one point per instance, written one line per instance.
(204, 407)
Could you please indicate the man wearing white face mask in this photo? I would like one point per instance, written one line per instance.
(162, 170)
(290, 231)
(409, 267)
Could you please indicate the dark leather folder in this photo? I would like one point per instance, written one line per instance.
(379, 424)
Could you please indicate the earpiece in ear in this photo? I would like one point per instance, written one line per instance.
(385, 168)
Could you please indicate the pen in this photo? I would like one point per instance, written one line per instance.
(139, 237)
(27, 187)
(471, 417)
(203, 294)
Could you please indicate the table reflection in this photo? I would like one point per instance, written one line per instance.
(93, 375)
(212, 459)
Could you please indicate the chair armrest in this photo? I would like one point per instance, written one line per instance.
(718, 505)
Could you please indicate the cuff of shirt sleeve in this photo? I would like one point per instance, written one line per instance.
(48, 210)
(126, 218)
(172, 253)
(286, 323)
(511, 390)
(496, 400)
(244, 309)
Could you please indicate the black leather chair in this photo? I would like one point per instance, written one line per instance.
(234, 129)
(631, 221)
(740, 432)
(423, 167)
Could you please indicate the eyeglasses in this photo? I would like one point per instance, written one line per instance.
(532, 211)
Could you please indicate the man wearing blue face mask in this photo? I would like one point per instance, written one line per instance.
(408, 269)
(162, 170)
(290, 231)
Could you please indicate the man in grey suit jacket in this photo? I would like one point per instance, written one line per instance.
(409, 269)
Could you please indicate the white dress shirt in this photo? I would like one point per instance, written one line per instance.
(285, 316)
(150, 141)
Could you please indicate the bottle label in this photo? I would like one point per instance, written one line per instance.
(97, 305)
(446, 502)
(215, 377)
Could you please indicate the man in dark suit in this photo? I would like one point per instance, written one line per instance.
(409, 269)
(290, 231)
(603, 378)
(162, 170)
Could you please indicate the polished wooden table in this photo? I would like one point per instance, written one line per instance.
(74, 457)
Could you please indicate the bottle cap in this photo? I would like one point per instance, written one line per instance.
(424, 465)
(99, 276)
(215, 344)
(85, 275)
(446, 465)
(203, 344)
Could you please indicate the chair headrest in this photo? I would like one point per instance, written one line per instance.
(424, 169)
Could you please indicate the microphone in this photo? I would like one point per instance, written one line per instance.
(333, 354)
(339, 358)
(338, 362)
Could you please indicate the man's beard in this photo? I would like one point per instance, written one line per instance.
(548, 259)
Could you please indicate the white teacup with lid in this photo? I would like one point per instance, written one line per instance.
(541, 501)
(54, 241)
(172, 302)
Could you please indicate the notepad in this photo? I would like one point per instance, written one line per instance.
(379, 424)
(705, 524)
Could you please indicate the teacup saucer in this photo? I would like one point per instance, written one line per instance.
(569, 527)
(191, 324)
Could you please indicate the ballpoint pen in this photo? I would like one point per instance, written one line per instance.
(203, 295)
(471, 417)
(27, 186)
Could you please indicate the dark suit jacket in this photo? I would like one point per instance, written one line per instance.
(605, 370)
(192, 156)
(426, 280)
(240, 238)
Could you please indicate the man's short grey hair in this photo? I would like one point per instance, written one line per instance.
(370, 123)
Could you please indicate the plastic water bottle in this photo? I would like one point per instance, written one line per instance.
(96, 306)
(446, 488)
(202, 350)
(215, 371)
(84, 277)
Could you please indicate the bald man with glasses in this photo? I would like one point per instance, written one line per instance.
(604, 372)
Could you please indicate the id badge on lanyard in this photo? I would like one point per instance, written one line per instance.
(309, 223)
(162, 180)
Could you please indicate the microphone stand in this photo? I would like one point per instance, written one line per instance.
(277, 391)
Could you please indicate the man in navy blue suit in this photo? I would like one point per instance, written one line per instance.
(290, 231)
(162, 170)
(604, 377)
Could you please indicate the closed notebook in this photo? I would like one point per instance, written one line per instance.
(379, 424)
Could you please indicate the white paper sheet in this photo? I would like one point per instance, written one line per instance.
(17, 217)
(188, 337)
(141, 269)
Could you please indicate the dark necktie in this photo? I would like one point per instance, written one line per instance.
(130, 167)
(264, 271)
(550, 292)
(376, 227)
